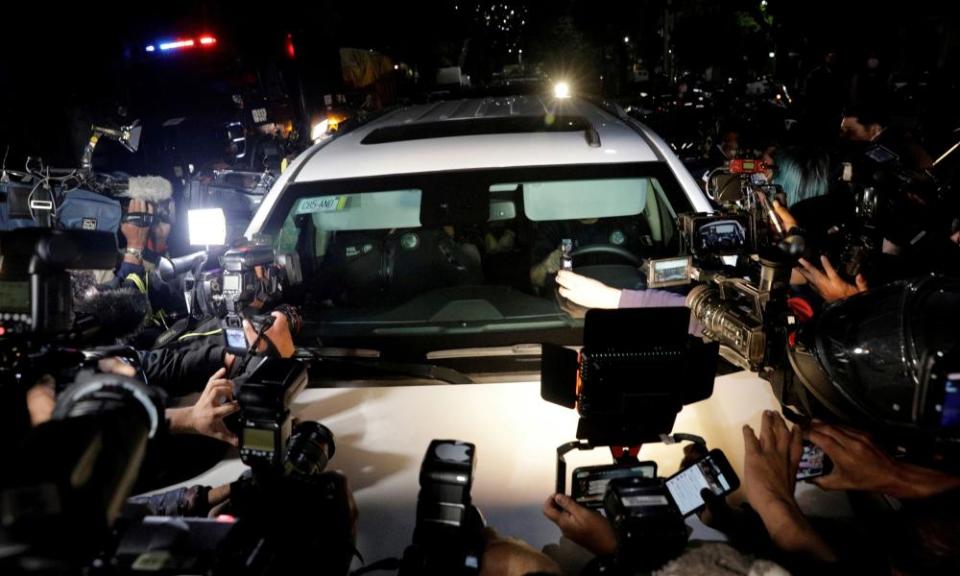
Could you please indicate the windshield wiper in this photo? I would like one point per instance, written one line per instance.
(422, 371)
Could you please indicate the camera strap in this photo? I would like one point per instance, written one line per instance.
(138, 219)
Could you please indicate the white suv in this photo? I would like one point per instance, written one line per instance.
(419, 234)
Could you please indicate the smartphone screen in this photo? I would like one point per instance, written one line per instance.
(566, 249)
(712, 472)
(813, 462)
(590, 482)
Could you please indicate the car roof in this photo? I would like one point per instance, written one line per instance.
(478, 133)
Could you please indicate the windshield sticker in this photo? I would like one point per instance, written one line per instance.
(322, 204)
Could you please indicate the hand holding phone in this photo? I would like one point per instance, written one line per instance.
(566, 250)
(713, 472)
(813, 463)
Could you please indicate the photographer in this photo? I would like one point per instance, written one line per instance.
(146, 227)
(177, 368)
(770, 469)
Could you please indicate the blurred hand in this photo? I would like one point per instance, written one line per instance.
(159, 233)
(41, 400)
(785, 216)
(278, 333)
(828, 284)
(135, 235)
(770, 471)
(116, 366)
(512, 557)
(770, 464)
(550, 265)
(587, 292)
(206, 416)
(582, 525)
(858, 463)
(553, 262)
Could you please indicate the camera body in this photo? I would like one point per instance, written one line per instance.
(34, 284)
(448, 538)
(265, 397)
(250, 281)
(650, 528)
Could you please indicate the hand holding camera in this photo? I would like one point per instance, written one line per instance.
(206, 416)
(136, 227)
(828, 284)
(279, 334)
(581, 525)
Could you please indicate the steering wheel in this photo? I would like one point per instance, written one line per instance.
(576, 310)
(607, 249)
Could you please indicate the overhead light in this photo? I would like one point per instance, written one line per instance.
(626, 39)
(561, 90)
(207, 226)
(772, 54)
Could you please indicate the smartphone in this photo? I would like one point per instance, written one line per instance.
(713, 471)
(813, 463)
(566, 249)
(590, 482)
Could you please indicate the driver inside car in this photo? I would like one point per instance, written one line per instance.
(628, 233)
(383, 266)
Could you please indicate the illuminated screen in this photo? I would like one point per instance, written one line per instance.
(258, 439)
(685, 487)
(236, 338)
(231, 282)
(950, 418)
(15, 297)
(671, 269)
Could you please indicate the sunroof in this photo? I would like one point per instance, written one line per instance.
(476, 127)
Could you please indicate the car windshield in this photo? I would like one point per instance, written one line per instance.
(468, 259)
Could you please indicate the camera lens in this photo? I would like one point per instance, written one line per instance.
(309, 449)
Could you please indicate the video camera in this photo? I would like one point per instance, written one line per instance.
(743, 305)
(40, 332)
(887, 361)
